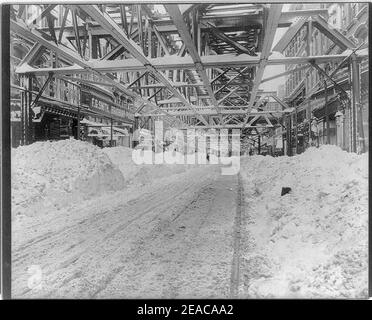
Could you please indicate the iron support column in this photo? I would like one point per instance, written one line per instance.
(289, 135)
(354, 90)
(111, 134)
(259, 144)
(23, 107)
(356, 105)
(135, 129)
(296, 131)
(328, 138)
(29, 128)
(78, 123)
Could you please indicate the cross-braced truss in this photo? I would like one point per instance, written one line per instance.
(196, 65)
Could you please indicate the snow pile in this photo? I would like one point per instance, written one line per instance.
(313, 241)
(61, 172)
(121, 157)
(55, 175)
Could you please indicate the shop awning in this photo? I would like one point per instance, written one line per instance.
(97, 129)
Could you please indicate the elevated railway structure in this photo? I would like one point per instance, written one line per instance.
(191, 65)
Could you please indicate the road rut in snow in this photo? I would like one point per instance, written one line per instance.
(235, 268)
(173, 239)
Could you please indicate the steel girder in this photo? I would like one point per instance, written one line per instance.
(180, 61)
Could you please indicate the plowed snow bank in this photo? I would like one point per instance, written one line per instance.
(313, 241)
(54, 175)
(71, 169)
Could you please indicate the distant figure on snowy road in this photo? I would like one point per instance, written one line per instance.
(314, 132)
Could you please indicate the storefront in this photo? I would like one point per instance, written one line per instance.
(53, 122)
(105, 136)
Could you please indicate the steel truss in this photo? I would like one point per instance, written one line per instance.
(192, 65)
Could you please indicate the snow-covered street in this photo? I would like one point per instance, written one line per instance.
(172, 238)
(112, 229)
(185, 151)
